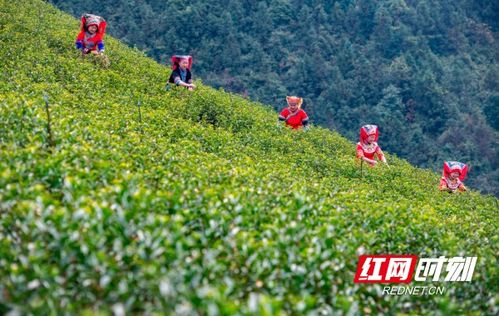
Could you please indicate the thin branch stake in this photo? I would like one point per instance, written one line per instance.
(361, 170)
(51, 142)
(140, 114)
(140, 119)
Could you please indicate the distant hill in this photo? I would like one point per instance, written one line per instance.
(146, 201)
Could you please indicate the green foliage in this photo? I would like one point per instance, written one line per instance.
(205, 205)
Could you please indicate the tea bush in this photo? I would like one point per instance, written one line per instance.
(201, 204)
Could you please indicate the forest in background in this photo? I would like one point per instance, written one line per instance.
(426, 72)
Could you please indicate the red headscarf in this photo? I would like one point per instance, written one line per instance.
(177, 58)
(293, 99)
(368, 130)
(455, 166)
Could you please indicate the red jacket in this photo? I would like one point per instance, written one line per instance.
(447, 184)
(369, 151)
(296, 120)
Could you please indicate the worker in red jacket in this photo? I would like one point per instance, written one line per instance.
(90, 38)
(294, 116)
(368, 147)
(453, 176)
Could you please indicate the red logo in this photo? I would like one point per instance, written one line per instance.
(385, 268)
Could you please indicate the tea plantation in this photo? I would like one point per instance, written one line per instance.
(147, 201)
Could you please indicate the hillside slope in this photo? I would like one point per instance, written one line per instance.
(200, 204)
(425, 71)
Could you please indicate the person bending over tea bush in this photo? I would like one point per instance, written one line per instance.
(294, 116)
(90, 38)
(368, 146)
(181, 71)
(453, 175)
